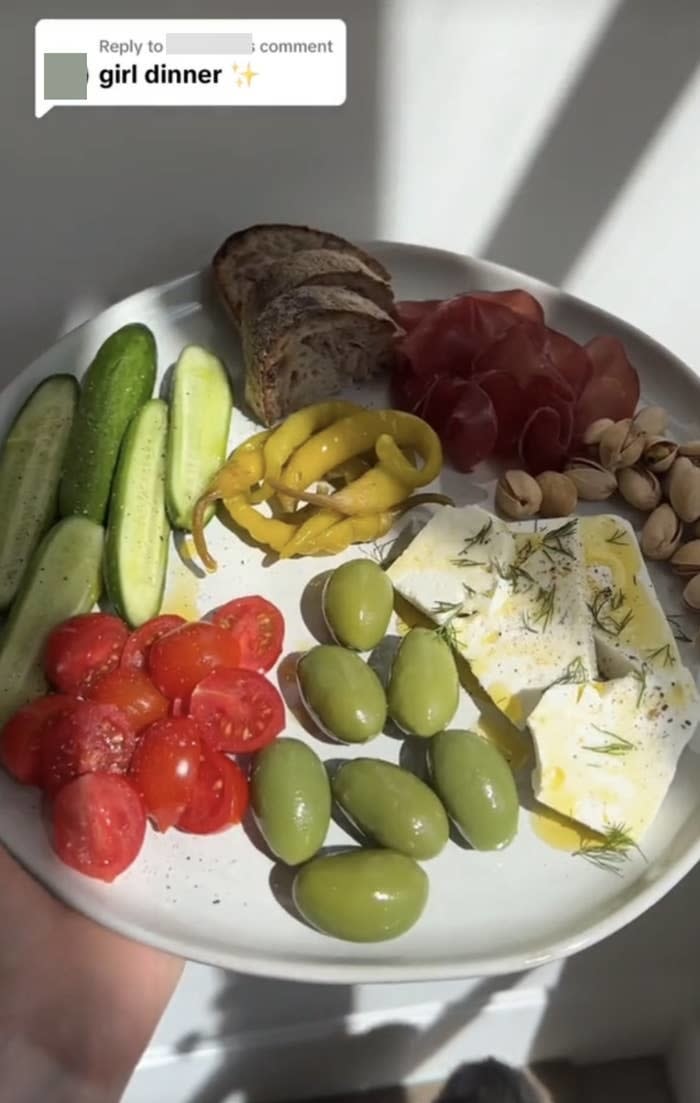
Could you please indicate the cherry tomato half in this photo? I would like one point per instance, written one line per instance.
(21, 738)
(164, 769)
(258, 627)
(82, 649)
(98, 825)
(133, 692)
(220, 797)
(135, 653)
(239, 710)
(180, 659)
(89, 738)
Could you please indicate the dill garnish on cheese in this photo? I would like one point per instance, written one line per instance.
(616, 744)
(611, 852)
(608, 611)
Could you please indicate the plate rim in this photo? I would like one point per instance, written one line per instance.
(333, 972)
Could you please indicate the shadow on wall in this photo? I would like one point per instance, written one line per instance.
(118, 199)
(644, 60)
(388, 1054)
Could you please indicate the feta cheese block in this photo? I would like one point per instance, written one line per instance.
(515, 601)
(447, 569)
(607, 751)
(629, 626)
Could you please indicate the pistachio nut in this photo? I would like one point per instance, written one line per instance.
(661, 534)
(683, 489)
(686, 560)
(593, 483)
(518, 495)
(559, 495)
(679, 465)
(596, 429)
(620, 445)
(691, 449)
(691, 594)
(639, 487)
(651, 420)
(659, 454)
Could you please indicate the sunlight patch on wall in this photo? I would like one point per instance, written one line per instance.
(467, 92)
(642, 260)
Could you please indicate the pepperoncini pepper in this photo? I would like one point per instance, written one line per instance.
(321, 442)
(386, 431)
(243, 470)
(292, 433)
(368, 526)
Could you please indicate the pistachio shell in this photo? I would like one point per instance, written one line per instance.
(639, 487)
(596, 429)
(593, 483)
(686, 560)
(661, 534)
(651, 420)
(620, 445)
(659, 455)
(691, 594)
(695, 530)
(679, 465)
(518, 495)
(683, 489)
(559, 495)
(691, 449)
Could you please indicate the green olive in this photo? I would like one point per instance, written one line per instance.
(392, 806)
(358, 599)
(343, 695)
(424, 684)
(291, 799)
(361, 895)
(475, 783)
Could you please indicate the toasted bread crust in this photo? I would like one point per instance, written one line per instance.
(241, 258)
(322, 268)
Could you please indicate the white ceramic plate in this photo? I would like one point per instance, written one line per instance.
(219, 899)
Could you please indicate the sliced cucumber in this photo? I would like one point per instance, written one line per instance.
(138, 533)
(31, 461)
(200, 416)
(116, 385)
(63, 579)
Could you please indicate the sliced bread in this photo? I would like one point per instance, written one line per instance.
(322, 268)
(307, 344)
(243, 256)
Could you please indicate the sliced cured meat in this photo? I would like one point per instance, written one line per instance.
(520, 302)
(408, 388)
(551, 393)
(514, 405)
(507, 402)
(410, 312)
(520, 378)
(450, 337)
(569, 358)
(609, 359)
(519, 352)
(469, 434)
(539, 447)
(441, 398)
(602, 397)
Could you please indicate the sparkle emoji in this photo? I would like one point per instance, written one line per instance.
(246, 75)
